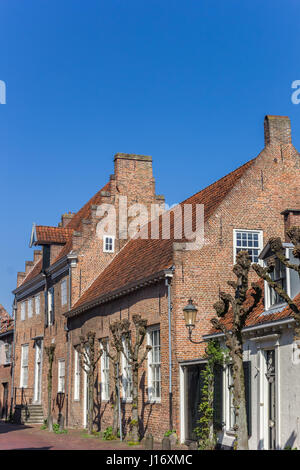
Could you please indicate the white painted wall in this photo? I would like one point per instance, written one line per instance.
(287, 357)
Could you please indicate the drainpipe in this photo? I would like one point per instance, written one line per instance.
(13, 359)
(169, 277)
(68, 349)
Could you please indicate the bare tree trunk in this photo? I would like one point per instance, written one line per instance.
(239, 401)
(135, 403)
(50, 353)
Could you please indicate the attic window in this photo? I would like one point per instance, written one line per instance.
(248, 240)
(108, 244)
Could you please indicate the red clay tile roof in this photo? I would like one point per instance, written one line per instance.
(258, 315)
(142, 258)
(49, 235)
(6, 322)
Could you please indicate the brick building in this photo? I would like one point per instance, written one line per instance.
(6, 356)
(80, 282)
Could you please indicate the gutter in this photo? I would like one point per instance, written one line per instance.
(169, 277)
(13, 359)
(130, 287)
(287, 321)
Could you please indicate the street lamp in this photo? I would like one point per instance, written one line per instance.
(190, 314)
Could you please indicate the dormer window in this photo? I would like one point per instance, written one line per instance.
(279, 276)
(286, 278)
(108, 244)
(248, 240)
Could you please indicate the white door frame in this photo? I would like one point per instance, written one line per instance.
(263, 344)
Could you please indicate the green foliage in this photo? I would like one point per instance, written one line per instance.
(204, 431)
(45, 425)
(133, 443)
(56, 429)
(108, 434)
(290, 448)
(168, 433)
(94, 434)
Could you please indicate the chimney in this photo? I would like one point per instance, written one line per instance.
(20, 278)
(37, 255)
(65, 219)
(291, 218)
(277, 130)
(134, 177)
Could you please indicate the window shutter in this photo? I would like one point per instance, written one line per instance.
(46, 308)
(52, 305)
(218, 398)
(247, 377)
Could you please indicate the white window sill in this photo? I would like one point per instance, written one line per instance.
(154, 400)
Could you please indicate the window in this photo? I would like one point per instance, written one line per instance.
(29, 308)
(7, 351)
(24, 366)
(76, 375)
(37, 304)
(64, 292)
(279, 276)
(104, 374)
(23, 306)
(50, 306)
(248, 240)
(108, 244)
(126, 374)
(154, 366)
(61, 375)
(231, 410)
(287, 279)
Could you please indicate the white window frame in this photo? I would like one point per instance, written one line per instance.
(267, 288)
(8, 353)
(30, 307)
(106, 250)
(24, 366)
(49, 297)
(126, 370)
(104, 373)
(260, 241)
(64, 292)
(37, 304)
(151, 395)
(61, 376)
(229, 408)
(23, 310)
(76, 375)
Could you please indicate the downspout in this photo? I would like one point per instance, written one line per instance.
(13, 360)
(169, 277)
(68, 348)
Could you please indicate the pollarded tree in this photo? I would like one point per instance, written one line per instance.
(88, 359)
(50, 354)
(265, 273)
(240, 307)
(132, 352)
(132, 355)
(117, 328)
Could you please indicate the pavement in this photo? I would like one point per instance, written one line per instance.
(31, 437)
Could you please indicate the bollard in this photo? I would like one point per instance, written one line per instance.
(148, 443)
(166, 444)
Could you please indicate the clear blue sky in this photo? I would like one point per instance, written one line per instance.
(188, 82)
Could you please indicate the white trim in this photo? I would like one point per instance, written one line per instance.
(150, 330)
(22, 367)
(102, 389)
(260, 240)
(113, 243)
(76, 376)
